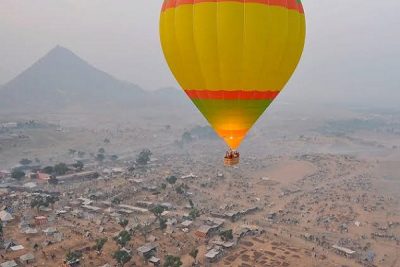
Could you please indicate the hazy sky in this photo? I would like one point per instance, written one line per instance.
(352, 50)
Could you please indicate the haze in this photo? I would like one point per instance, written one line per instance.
(104, 163)
(351, 54)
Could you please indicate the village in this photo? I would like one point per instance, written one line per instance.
(320, 210)
(141, 196)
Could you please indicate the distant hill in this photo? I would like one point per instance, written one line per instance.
(171, 95)
(62, 81)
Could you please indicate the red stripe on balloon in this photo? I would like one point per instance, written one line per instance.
(289, 4)
(232, 95)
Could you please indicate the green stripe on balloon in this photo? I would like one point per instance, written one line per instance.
(239, 114)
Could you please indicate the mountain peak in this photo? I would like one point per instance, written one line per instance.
(61, 78)
(60, 50)
(61, 55)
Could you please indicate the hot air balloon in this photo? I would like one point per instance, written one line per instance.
(232, 57)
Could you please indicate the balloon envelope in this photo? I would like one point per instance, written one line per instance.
(232, 57)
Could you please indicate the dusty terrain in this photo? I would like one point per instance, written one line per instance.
(315, 183)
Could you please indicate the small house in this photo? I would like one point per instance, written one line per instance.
(27, 259)
(187, 223)
(11, 263)
(50, 231)
(41, 220)
(155, 261)
(148, 250)
(213, 255)
(344, 251)
(6, 216)
(203, 231)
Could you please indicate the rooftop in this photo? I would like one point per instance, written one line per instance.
(345, 250)
(8, 264)
(212, 253)
(147, 247)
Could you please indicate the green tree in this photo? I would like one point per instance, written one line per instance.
(194, 213)
(73, 256)
(100, 244)
(193, 253)
(144, 229)
(43, 201)
(60, 169)
(171, 179)
(123, 223)
(116, 201)
(1, 234)
(37, 202)
(48, 170)
(18, 175)
(191, 203)
(114, 157)
(123, 238)
(107, 141)
(122, 257)
(81, 154)
(78, 165)
(71, 151)
(101, 150)
(100, 157)
(187, 137)
(226, 235)
(53, 180)
(157, 210)
(51, 200)
(172, 261)
(163, 223)
(25, 162)
(180, 189)
(144, 157)
(163, 186)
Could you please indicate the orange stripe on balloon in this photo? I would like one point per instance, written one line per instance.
(289, 4)
(232, 95)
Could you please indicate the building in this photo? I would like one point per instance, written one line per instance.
(91, 208)
(41, 220)
(79, 176)
(9, 264)
(213, 255)
(145, 204)
(148, 250)
(133, 208)
(167, 206)
(187, 223)
(50, 231)
(17, 248)
(344, 251)
(6, 216)
(9, 125)
(215, 221)
(226, 245)
(155, 261)
(43, 176)
(30, 231)
(5, 174)
(27, 259)
(249, 230)
(204, 231)
(189, 176)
